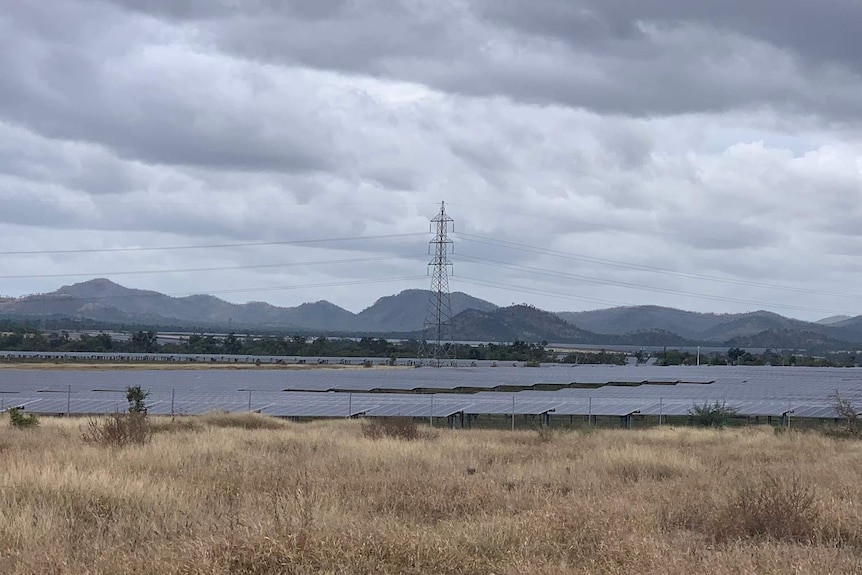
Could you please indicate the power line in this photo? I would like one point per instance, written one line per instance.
(534, 291)
(641, 267)
(602, 226)
(212, 269)
(307, 286)
(54, 297)
(630, 285)
(207, 246)
(208, 203)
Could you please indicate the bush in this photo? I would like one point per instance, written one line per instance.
(775, 509)
(717, 414)
(242, 420)
(175, 425)
(544, 434)
(20, 420)
(118, 430)
(391, 427)
(834, 431)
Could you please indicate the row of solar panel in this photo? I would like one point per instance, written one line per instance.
(382, 405)
(806, 392)
(612, 382)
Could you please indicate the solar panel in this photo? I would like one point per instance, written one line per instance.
(669, 390)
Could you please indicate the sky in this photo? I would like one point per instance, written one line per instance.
(592, 153)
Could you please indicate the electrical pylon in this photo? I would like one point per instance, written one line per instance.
(436, 347)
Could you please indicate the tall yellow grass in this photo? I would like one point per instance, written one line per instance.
(216, 498)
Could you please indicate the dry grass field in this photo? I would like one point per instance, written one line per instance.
(246, 495)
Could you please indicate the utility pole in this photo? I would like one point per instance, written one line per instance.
(436, 344)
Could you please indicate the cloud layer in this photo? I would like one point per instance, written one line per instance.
(592, 153)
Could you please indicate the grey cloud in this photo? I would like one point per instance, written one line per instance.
(636, 58)
(202, 10)
(204, 122)
(152, 110)
(819, 33)
(75, 165)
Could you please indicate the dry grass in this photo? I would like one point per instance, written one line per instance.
(392, 428)
(322, 498)
(241, 420)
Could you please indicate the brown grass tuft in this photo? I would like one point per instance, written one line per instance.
(391, 427)
(176, 424)
(242, 421)
(118, 430)
(779, 509)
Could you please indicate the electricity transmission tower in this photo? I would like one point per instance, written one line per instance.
(436, 346)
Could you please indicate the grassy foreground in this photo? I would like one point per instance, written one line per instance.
(214, 497)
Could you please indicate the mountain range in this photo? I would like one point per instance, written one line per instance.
(104, 300)
(473, 319)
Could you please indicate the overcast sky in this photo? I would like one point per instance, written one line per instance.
(703, 155)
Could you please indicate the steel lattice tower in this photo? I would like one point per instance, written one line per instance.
(436, 345)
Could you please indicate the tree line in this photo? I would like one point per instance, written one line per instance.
(297, 345)
(739, 356)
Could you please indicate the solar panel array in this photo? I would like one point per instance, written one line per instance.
(559, 390)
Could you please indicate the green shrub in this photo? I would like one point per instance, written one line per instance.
(20, 420)
(717, 414)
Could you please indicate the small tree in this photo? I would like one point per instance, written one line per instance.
(735, 355)
(20, 420)
(845, 410)
(137, 397)
(717, 414)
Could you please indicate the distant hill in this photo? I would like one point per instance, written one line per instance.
(753, 323)
(406, 311)
(101, 300)
(691, 326)
(848, 330)
(104, 300)
(623, 320)
(833, 319)
(518, 322)
(790, 339)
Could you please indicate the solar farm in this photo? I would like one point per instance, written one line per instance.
(450, 393)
